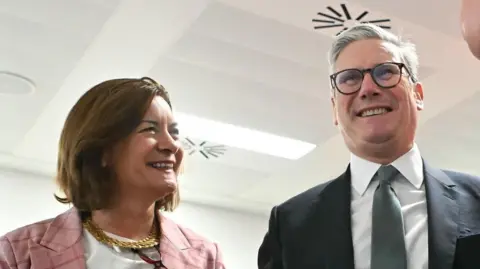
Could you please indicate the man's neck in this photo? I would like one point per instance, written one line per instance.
(382, 154)
(129, 220)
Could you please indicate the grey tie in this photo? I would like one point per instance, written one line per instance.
(388, 237)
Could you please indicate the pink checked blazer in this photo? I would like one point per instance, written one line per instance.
(58, 244)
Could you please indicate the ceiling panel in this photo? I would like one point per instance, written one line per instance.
(227, 98)
(220, 179)
(75, 17)
(441, 16)
(456, 132)
(248, 63)
(269, 36)
(44, 53)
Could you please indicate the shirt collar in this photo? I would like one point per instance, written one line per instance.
(410, 165)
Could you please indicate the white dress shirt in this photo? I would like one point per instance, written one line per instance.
(410, 191)
(100, 256)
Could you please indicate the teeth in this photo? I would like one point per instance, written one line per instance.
(162, 165)
(376, 111)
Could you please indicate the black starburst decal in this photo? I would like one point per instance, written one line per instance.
(203, 148)
(342, 20)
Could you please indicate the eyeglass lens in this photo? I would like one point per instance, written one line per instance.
(384, 75)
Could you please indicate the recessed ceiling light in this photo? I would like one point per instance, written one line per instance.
(243, 138)
(15, 84)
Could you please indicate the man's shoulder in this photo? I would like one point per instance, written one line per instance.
(304, 198)
(456, 175)
(465, 182)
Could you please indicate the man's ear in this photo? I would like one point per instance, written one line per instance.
(419, 96)
(334, 111)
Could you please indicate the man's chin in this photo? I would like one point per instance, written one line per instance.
(379, 138)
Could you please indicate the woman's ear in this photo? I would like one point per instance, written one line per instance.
(106, 158)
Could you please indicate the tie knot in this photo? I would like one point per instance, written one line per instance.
(386, 173)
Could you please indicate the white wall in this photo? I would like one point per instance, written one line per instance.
(27, 198)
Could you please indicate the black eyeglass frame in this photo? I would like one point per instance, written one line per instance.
(401, 66)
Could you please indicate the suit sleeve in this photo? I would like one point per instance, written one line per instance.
(7, 257)
(269, 253)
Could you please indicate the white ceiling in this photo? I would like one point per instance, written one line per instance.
(256, 64)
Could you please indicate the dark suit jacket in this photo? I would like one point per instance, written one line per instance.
(313, 229)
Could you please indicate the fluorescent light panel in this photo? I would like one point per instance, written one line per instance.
(243, 138)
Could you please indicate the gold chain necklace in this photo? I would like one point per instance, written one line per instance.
(150, 241)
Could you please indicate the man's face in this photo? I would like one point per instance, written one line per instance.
(376, 115)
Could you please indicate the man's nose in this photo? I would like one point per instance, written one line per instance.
(369, 88)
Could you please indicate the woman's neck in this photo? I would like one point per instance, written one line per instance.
(127, 220)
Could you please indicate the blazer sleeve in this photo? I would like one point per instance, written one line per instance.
(219, 264)
(269, 253)
(7, 257)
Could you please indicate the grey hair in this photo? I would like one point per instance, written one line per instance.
(406, 50)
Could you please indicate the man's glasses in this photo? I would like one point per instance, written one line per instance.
(385, 75)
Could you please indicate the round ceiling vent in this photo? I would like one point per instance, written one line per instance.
(15, 84)
(203, 148)
(342, 19)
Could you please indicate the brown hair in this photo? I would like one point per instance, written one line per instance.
(105, 115)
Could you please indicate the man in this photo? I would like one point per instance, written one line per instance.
(389, 209)
(470, 18)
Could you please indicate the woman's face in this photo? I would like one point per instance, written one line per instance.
(147, 162)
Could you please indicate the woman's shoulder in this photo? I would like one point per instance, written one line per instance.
(15, 245)
(183, 238)
(56, 234)
(27, 232)
(52, 228)
(178, 233)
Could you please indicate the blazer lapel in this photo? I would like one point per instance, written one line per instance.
(331, 225)
(442, 218)
(61, 244)
(174, 246)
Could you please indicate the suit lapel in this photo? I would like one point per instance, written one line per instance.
(332, 224)
(61, 244)
(442, 218)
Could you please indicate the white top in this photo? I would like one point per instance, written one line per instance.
(411, 193)
(101, 256)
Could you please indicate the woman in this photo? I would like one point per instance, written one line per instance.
(118, 162)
